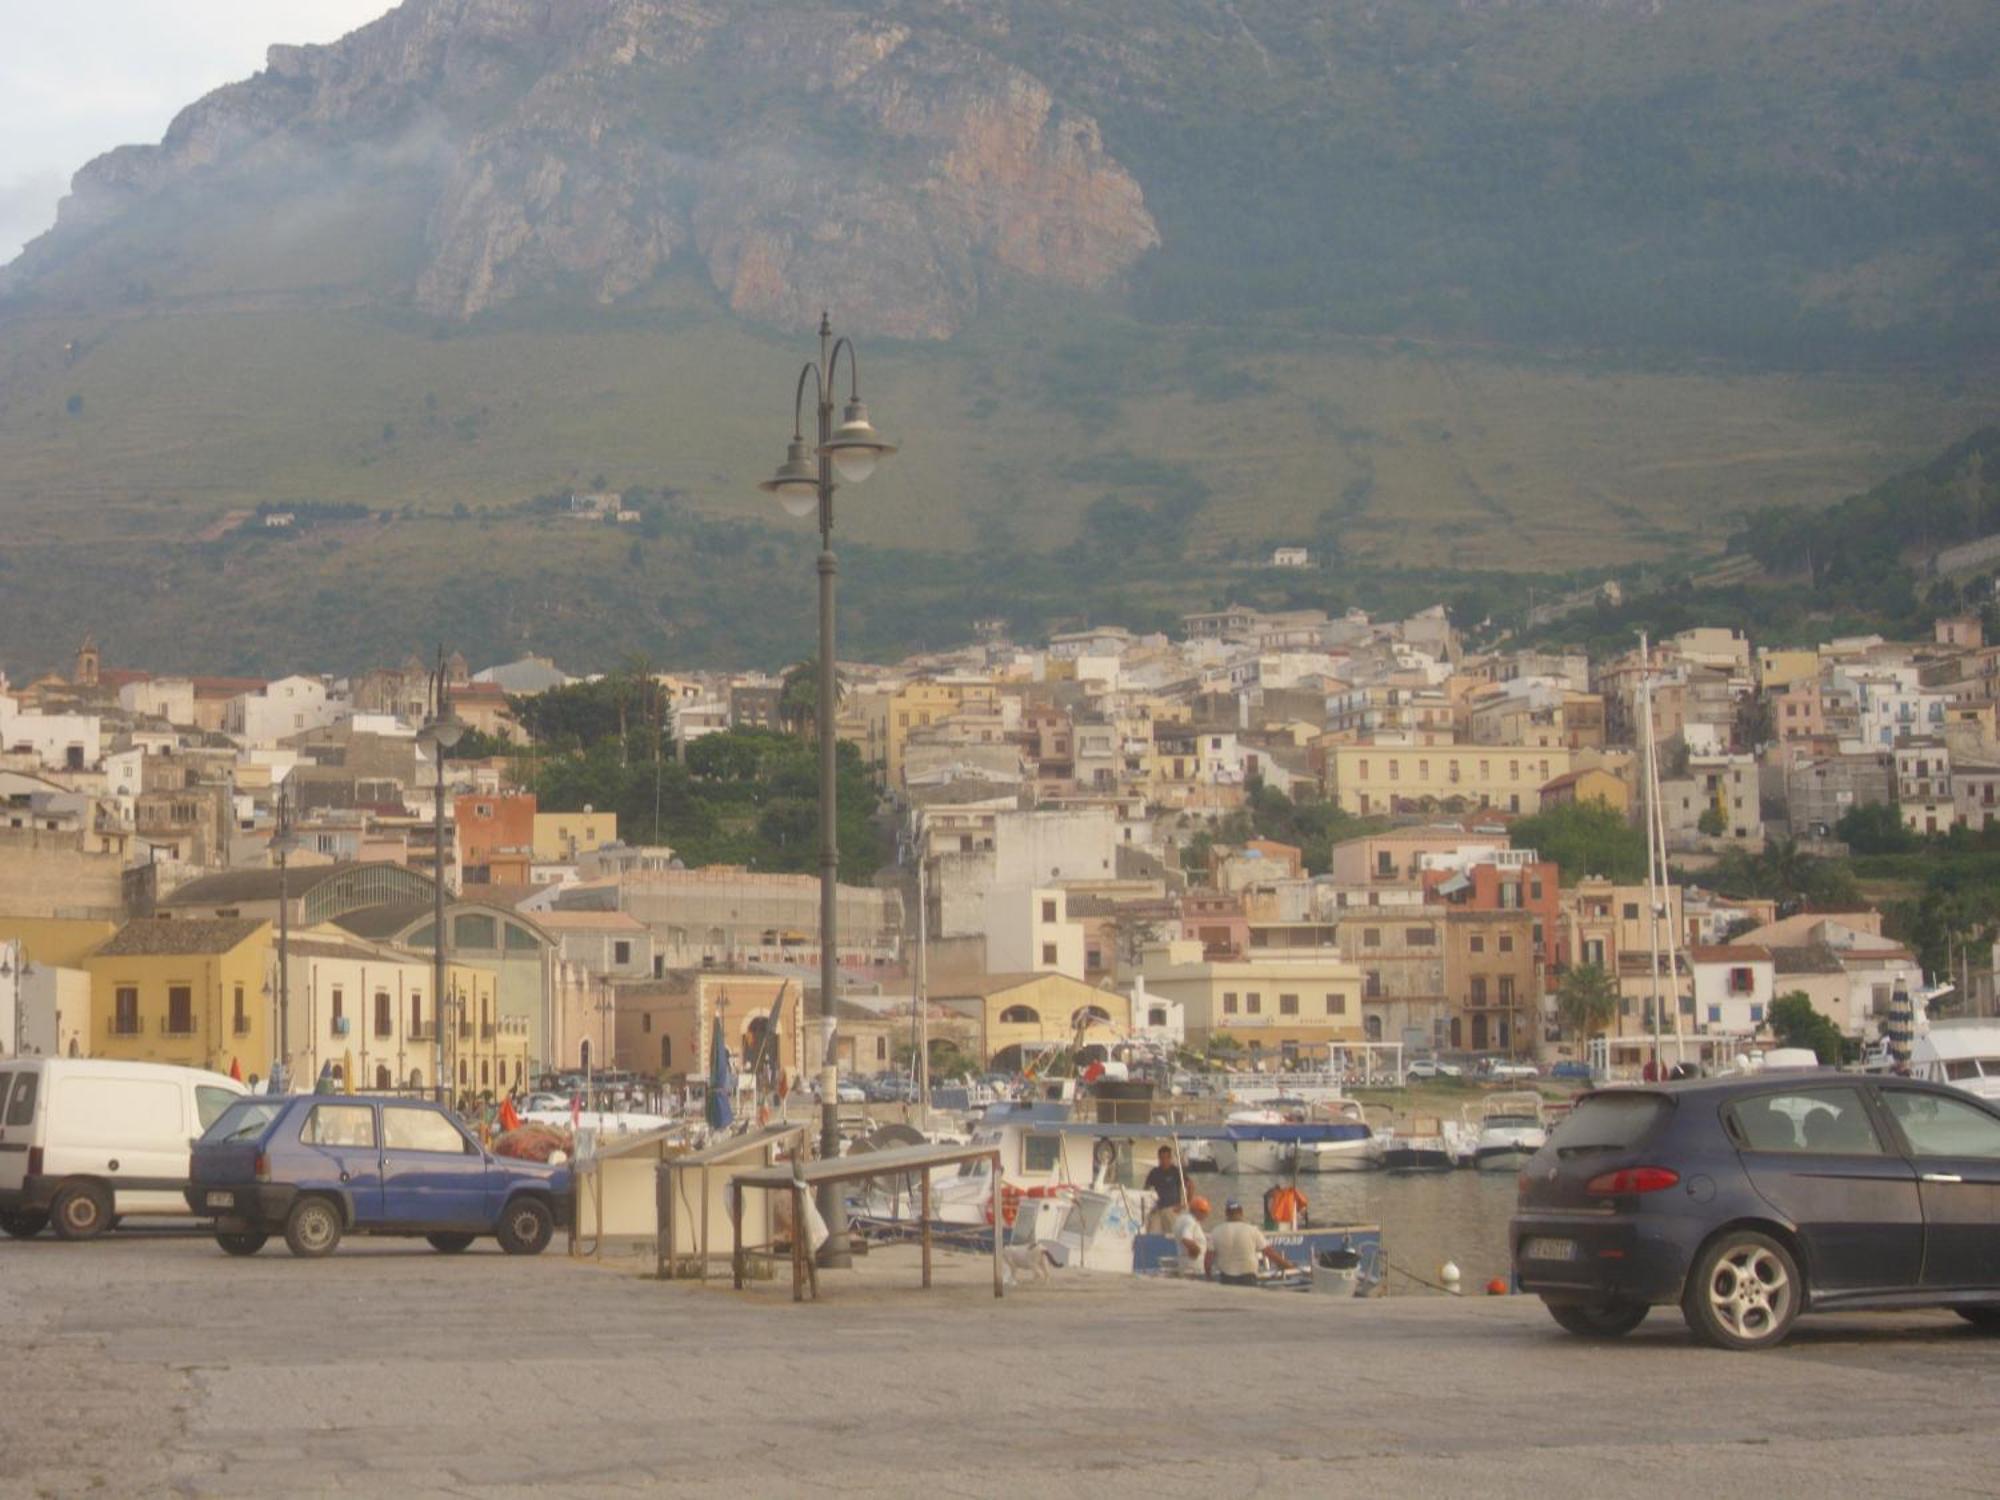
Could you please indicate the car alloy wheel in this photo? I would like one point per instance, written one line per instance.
(1745, 1292)
(526, 1227)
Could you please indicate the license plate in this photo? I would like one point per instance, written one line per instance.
(1549, 1250)
(222, 1200)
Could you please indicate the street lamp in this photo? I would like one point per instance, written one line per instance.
(16, 970)
(283, 842)
(440, 731)
(803, 483)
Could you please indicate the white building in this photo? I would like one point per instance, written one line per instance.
(1029, 931)
(62, 742)
(1732, 988)
(289, 706)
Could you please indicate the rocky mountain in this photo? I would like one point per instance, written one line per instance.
(1453, 286)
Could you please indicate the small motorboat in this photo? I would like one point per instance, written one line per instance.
(1510, 1130)
(1424, 1147)
(1358, 1149)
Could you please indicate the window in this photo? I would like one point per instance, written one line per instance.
(1938, 1126)
(1020, 1015)
(407, 1129)
(1756, 1015)
(1478, 995)
(385, 1014)
(1741, 982)
(339, 1007)
(21, 1106)
(473, 932)
(1048, 953)
(621, 952)
(1715, 1015)
(1371, 984)
(666, 1053)
(1288, 1005)
(1825, 1122)
(180, 1010)
(1506, 942)
(240, 1019)
(1478, 943)
(1253, 1004)
(1534, 890)
(125, 1018)
(1336, 1005)
(1420, 937)
(1385, 862)
(339, 1125)
(1048, 911)
(1040, 1153)
(1371, 937)
(209, 1103)
(1506, 989)
(1229, 1002)
(416, 1016)
(646, 1022)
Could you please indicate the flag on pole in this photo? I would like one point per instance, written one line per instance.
(721, 1082)
(236, 1069)
(508, 1119)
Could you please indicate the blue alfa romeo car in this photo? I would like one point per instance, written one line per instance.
(314, 1168)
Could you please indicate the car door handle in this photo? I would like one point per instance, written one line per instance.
(1942, 1177)
(344, 1177)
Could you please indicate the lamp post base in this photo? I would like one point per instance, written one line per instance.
(838, 1251)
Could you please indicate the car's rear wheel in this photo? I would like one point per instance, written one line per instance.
(313, 1228)
(23, 1223)
(82, 1211)
(242, 1242)
(526, 1227)
(449, 1244)
(1985, 1319)
(1598, 1320)
(1744, 1293)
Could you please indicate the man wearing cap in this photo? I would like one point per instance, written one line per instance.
(1240, 1246)
(1191, 1238)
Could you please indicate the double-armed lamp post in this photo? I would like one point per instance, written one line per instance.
(805, 482)
(440, 732)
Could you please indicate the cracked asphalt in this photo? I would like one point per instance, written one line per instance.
(153, 1364)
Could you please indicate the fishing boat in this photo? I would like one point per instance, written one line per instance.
(1241, 1148)
(1510, 1130)
(1358, 1149)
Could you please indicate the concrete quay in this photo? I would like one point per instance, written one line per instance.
(153, 1364)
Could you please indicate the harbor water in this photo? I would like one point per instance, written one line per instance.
(1426, 1219)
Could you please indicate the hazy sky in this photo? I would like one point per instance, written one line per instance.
(78, 77)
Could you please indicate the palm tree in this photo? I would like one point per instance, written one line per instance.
(1587, 1000)
(798, 699)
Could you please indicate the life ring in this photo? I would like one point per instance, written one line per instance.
(1010, 1204)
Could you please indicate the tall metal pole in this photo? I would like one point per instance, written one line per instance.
(283, 1067)
(437, 895)
(833, 1206)
(1652, 888)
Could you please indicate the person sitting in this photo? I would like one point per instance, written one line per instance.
(1191, 1239)
(1240, 1249)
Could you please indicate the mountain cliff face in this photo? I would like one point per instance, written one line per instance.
(589, 143)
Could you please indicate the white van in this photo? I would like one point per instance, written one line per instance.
(85, 1141)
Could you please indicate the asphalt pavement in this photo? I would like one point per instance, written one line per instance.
(152, 1363)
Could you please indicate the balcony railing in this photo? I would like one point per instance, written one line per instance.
(422, 1031)
(126, 1026)
(181, 1027)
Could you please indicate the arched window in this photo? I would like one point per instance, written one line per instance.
(384, 1079)
(583, 1054)
(666, 1052)
(1021, 1015)
(416, 1078)
(485, 1073)
(461, 1073)
(1089, 1015)
(1372, 1028)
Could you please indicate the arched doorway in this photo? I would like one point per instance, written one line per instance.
(1371, 1027)
(384, 1079)
(583, 1054)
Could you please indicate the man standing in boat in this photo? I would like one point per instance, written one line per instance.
(1192, 1239)
(1169, 1186)
(1240, 1246)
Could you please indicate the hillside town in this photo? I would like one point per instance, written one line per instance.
(1077, 834)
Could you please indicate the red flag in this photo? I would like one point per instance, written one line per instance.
(236, 1069)
(508, 1119)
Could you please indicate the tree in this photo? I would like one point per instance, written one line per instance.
(1795, 1023)
(1584, 838)
(1875, 828)
(1711, 823)
(1586, 1000)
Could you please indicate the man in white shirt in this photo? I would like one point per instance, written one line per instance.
(1191, 1238)
(1240, 1247)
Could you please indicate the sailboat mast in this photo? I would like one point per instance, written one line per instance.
(1651, 794)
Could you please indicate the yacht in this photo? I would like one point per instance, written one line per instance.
(1510, 1130)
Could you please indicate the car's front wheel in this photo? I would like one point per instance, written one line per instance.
(313, 1228)
(82, 1211)
(449, 1243)
(526, 1227)
(23, 1223)
(1744, 1292)
(1598, 1320)
(242, 1242)
(1985, 1319)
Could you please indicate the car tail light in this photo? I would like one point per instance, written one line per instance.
(263, 1167)
(34, 1161)
(1629, 1180)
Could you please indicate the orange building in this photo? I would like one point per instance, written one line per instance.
(496, 837)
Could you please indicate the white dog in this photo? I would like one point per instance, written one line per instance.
(1027, 1260)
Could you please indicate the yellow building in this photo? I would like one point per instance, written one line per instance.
(1034, 1011)
(1271, 1008)
(1591, 784)
(561, 836)
(920, 704)
(1779, 669)
(1380, 778)
(62, 942)
(193, 992)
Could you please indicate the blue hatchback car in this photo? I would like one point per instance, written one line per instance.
(314, 1167)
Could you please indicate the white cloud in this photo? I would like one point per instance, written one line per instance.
(79, 78)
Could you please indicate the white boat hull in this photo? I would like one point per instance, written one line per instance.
(1341, 1156)
(1270, 1158)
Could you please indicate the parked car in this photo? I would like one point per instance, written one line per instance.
(85, 1142)
(1571, 1071)
(317, 1167)
(1748, 1201)
(1504, 1070)
(1426, 1068)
